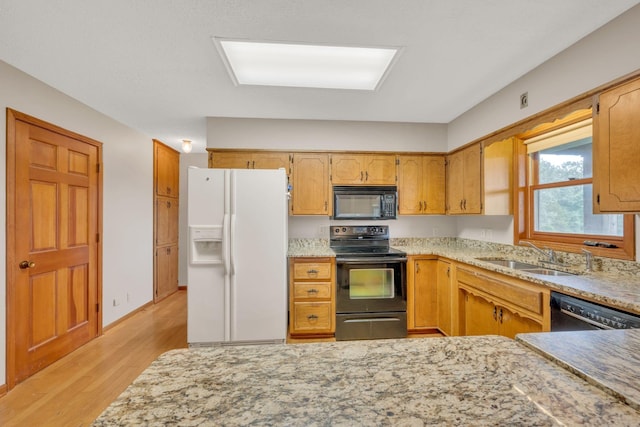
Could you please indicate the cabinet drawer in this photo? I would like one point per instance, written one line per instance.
(312, 270)
(312, 317)
(525, 297)
(312, 290)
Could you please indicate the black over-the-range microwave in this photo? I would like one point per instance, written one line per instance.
(365, 202)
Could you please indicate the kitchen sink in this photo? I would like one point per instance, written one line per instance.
(510, 263)
(526, 267)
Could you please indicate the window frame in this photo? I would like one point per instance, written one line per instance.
(567, 242)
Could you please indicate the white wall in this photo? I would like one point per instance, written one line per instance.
(128, 188)
(605, 55)
(280, 134)
(192, 159)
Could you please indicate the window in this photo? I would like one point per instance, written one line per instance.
(559, 195)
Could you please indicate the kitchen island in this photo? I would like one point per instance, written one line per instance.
(486, 380)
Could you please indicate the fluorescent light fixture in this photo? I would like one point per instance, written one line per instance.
(305, 65)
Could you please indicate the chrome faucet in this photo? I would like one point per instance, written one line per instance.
(549, 256)
(588, 259)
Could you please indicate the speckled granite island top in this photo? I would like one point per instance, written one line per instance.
(609, 359)
(486, 380)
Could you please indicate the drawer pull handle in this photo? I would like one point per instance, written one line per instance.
(312, 291)
(312, 317)
(312, 271)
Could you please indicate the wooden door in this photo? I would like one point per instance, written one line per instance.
(272, 160)
(380, 169)
(230, 160)
(445, 298)
(421, 299)
(310, 192)
(53, 249)
(434, 185)
(472, 188)
(410, 182)
(480, 316)
(455, 182)
(616, 148)
(347, 169)
(167, 177)
(166, 271)
(512, 323)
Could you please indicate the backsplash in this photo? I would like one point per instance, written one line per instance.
(600, 264)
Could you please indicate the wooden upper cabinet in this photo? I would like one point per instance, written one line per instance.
(311, 192)
(167, 170)
(464, 181)
(498, 177)
(421, 184)
(250, 160)
(616, 150)
(363, 169)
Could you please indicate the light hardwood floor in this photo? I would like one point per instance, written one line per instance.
(76, 389)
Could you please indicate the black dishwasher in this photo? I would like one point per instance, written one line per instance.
(569, 313)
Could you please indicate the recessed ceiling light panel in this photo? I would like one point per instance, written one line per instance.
(305, 65)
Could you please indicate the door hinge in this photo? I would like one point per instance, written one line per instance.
(398, 162)
(598, 198)
(98, 167)
(598, 108)
(97, 237)
(97, 307)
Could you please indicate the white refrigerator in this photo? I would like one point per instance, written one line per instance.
(237, 271)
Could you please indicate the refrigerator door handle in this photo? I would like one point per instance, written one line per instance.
(232, 247)
(225, 245)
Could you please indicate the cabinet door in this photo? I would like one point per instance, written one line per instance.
(310, 193)
(422, 312)
(455, 183)
(434, 185)
(472, 187)
(512, 323)
(230, 160)
(410, 184)
(444, 297)
(166, 274)
(166, 221)
(616, 148)
(380, 169)
(167, 170)
(498, 177)
(480, 316)
(273, 160)
(347, 169)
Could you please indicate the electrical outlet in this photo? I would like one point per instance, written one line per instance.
(524, 100)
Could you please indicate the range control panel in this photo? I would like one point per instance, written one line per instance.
(378, 232)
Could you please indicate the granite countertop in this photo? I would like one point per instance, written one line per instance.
(486, 380)
(609, 359)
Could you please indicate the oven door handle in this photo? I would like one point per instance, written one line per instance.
(371, 260)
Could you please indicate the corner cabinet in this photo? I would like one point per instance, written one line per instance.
(490, 303)
(421, 185)
(363, 169)
(312, 310)
(464, 181)
(616, 150)
(311, 190)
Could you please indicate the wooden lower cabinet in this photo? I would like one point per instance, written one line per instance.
(491, 303)
(312, 296)
(166, 271)
(445, 294)
(422, 312)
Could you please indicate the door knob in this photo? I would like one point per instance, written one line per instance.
(27, 264)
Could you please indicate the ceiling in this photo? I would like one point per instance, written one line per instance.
(152, 64)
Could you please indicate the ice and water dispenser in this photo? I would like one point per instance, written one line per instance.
(206, 244)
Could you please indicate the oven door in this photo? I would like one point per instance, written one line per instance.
(371, 285)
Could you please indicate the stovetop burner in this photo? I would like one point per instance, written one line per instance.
(362, 241)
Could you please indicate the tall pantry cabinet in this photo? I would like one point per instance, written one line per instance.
(166, 176)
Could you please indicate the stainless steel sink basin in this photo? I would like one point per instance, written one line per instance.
(526, 267)
(546, 272)
(510, 263)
